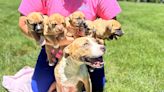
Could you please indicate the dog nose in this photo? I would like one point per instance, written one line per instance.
(119, 32)
(102, 48)
(38, 28)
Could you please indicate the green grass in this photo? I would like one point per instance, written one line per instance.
(133, 63)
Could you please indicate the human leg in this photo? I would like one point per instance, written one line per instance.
(43, 75)
(98, 79)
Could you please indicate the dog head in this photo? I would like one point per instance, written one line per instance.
(113, 29)
(85, 50)
(76, 19)
(55, 25)
(35, 22)
(108, 29)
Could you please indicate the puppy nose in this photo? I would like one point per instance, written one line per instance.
(38, 28)
(102, 48)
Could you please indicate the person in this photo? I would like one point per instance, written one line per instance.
(44, 74)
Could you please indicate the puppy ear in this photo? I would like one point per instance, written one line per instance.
(108, 29)
(42, 16)
(93, 33)
(67, 51)
(27, 21)
(67, 21)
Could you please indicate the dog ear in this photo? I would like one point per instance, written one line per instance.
(27, 22)
(67, 51)
(108, 29)
(42, 16)
(67, 21)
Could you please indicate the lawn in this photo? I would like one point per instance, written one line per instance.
(133, 63)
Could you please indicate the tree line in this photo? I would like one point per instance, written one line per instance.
(151, 1)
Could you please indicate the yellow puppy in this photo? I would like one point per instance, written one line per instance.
(75, 24)
(107, 29)
(35, 24)
(54, 31)
(71, 72)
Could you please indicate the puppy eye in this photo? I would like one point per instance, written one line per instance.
(63, 24)
(34, 24)
(40, 22)
(86, 44)
(53, 25)
(88, 29)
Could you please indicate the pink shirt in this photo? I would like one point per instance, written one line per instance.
(92, 9)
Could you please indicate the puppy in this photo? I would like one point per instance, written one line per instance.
(75, 24)
(71, 72)
(35, 25)
(107, 29)
(54, 31)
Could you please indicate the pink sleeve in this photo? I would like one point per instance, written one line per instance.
(28, 6)
(108, 9)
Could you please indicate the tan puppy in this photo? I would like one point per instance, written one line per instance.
(71, 72)
(35, 24)
(76, 24)
(54, 32)
(107, 29)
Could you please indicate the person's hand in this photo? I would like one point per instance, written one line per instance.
(23, 26)
(57, 54)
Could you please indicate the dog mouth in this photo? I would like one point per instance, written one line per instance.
(38, 28)
(117, 34)
(94, 62)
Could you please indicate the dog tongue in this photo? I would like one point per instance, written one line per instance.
(98, 64)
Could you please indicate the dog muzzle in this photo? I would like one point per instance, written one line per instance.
(38, 28)
(94, 62)
(117, 34)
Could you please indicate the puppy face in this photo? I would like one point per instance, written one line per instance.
(85, 49)
(76, 19)
(113, 29)
(55, 25)
(35, 22)
(108, 29)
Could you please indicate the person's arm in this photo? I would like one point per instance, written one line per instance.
(26, 7)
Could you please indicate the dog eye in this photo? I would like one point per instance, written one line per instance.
(53, 25)
(86, 44)
(63, 24)
(40, 22)
(34, 24)
(88, 29)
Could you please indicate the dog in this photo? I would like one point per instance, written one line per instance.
(35, 25)
(76, 24)
(107, 29)
(71, 72)
(54, 31)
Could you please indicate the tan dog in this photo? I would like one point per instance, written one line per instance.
(107, 29)
(35, 24)
(54, 32)
(71, 72)
(76, 24)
